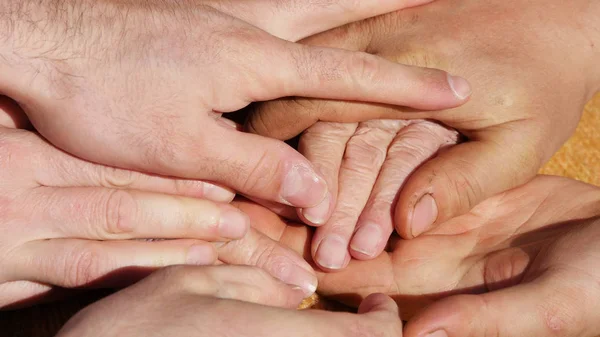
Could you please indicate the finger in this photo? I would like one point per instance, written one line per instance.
(380, 305)
(63, 170)
(281, 262)
(412, 146)
(11, 114)
(365, 153)
(72, 263)
(292, 20)
(284, 211)
(288, 117)
(105, 214)
(317, 72)
(384, 312)
(542, 308)
(256, 166)
(458, 179)
(14, 295)
(324, 145)
(242, 283)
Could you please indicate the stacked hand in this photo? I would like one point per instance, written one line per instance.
(142, 85)
(529, 90)
(525, 261)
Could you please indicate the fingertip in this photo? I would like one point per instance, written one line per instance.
(302, 186)
(201, 254)
(317, 216)
(423, 215)
(233, 223)
(368, 241)
(217, 193)
(459, 86)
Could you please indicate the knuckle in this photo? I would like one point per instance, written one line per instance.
(362, 153)
(119, 212)
(363, 68)
(117, 178)
(84, 266)
(263, 172)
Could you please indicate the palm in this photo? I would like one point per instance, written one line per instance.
(514, 237)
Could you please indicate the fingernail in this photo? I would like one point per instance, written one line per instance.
(366, 239)
(217, 193)
(302, 187)
(332, 252)
(233, 224)
(301, 278)
(439, 333)
(200, 255)
(319, 214)
(424, 215)
(460, 87)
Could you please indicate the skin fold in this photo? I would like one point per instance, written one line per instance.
(142, 85)
(520, 263)
(532, 66)
(221, 301)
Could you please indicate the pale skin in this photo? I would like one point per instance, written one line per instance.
(533, 66)
(142, 85)
(123, 96)
(522, 263)
(69, 223)
(221, 301)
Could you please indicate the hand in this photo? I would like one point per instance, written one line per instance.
(68, 223)
(365, 165)
(142, 84)
(530, 254)
(224, 301)
(532, 67)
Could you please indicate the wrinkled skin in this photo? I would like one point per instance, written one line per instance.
(224, 301)
(532, 66)
(525, 259)
(365, 164)
(142, 84)
(68, 223)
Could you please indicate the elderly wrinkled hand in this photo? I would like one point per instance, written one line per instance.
(365, 164)
(142, 85)
(532, 66)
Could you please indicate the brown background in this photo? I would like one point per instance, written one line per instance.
(578, 159)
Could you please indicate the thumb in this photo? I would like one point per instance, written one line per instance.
(293, 20)
(379, 305)
(459, 178)
(540, 308)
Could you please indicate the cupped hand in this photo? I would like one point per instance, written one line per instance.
(224, 301)
(525, 261)
(532, 66)
(142, 84)
(365, 165)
